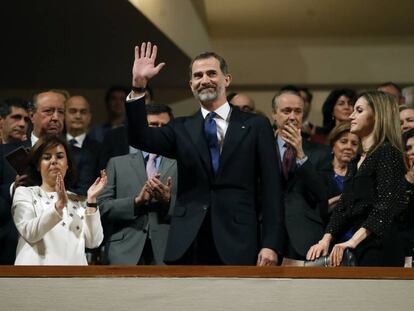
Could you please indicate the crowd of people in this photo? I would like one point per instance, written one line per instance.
(221, 187)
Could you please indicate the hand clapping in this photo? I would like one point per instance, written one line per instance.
(62, 196)
(96, 188)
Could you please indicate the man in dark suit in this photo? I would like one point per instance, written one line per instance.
(136, 221)
(221, 154)
(86, 151)
(304, 189)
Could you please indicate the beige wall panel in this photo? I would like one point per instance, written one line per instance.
(203, 294)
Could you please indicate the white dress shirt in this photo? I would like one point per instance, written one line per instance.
(79, 139)
(222, 119)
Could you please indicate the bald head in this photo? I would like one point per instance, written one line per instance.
(244, 102)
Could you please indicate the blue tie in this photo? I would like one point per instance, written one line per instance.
(210, 130)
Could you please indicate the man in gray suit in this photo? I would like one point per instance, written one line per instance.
(137, 201)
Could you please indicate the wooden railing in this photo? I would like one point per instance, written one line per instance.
(207, 271)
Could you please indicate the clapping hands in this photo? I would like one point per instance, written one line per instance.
(96, 188)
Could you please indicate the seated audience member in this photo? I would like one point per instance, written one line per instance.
(54, 225)
(406, 118)
(243, 101)
(372, 192)
(86, 151)
(345, 146)
(337, 108)
(115, 110)
(14, 120)
(300, 160)
(393, 89)
(406, 218)
(137, 203)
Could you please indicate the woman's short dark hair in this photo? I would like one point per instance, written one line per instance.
(329, 104)
(39, 149)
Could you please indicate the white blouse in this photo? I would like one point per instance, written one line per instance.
(46, 238)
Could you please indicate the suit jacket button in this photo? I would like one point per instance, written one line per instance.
(205, 207)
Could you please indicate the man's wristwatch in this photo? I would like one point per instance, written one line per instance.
(139, 89)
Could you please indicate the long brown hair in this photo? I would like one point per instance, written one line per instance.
(387, 119)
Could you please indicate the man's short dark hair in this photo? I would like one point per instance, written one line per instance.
(113, 89)
(7, 104)
(394, 85)
(153, 109)
(206, 55)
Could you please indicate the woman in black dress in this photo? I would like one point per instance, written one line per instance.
(372, 189)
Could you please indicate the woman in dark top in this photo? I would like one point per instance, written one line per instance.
(372, 189)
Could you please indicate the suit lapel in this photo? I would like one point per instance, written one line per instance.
(236, 131)
(136, 161)
(194, 127)
(165, 166)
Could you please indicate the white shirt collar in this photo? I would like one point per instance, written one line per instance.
(33, 139)
(223, 111)
(79, 139)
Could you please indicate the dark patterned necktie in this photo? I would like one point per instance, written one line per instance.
(210, 131)
(288, 158)
(73, 142)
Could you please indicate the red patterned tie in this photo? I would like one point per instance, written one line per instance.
(288, 158)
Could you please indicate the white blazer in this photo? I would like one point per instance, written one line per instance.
(46, 238)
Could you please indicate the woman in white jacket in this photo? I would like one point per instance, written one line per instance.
(54, 225)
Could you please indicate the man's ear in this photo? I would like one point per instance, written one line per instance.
(228, 79)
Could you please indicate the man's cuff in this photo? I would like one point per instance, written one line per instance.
(131, 98)
(11, 190)
(299, 163)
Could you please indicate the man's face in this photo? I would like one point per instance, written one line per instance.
(244, 102)
(208, 83)
(390, 89)
(78, 115)
(15, 125)
(49, 115)
(116, 103)
(158, 120)
(289, 109)
(407, 119)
